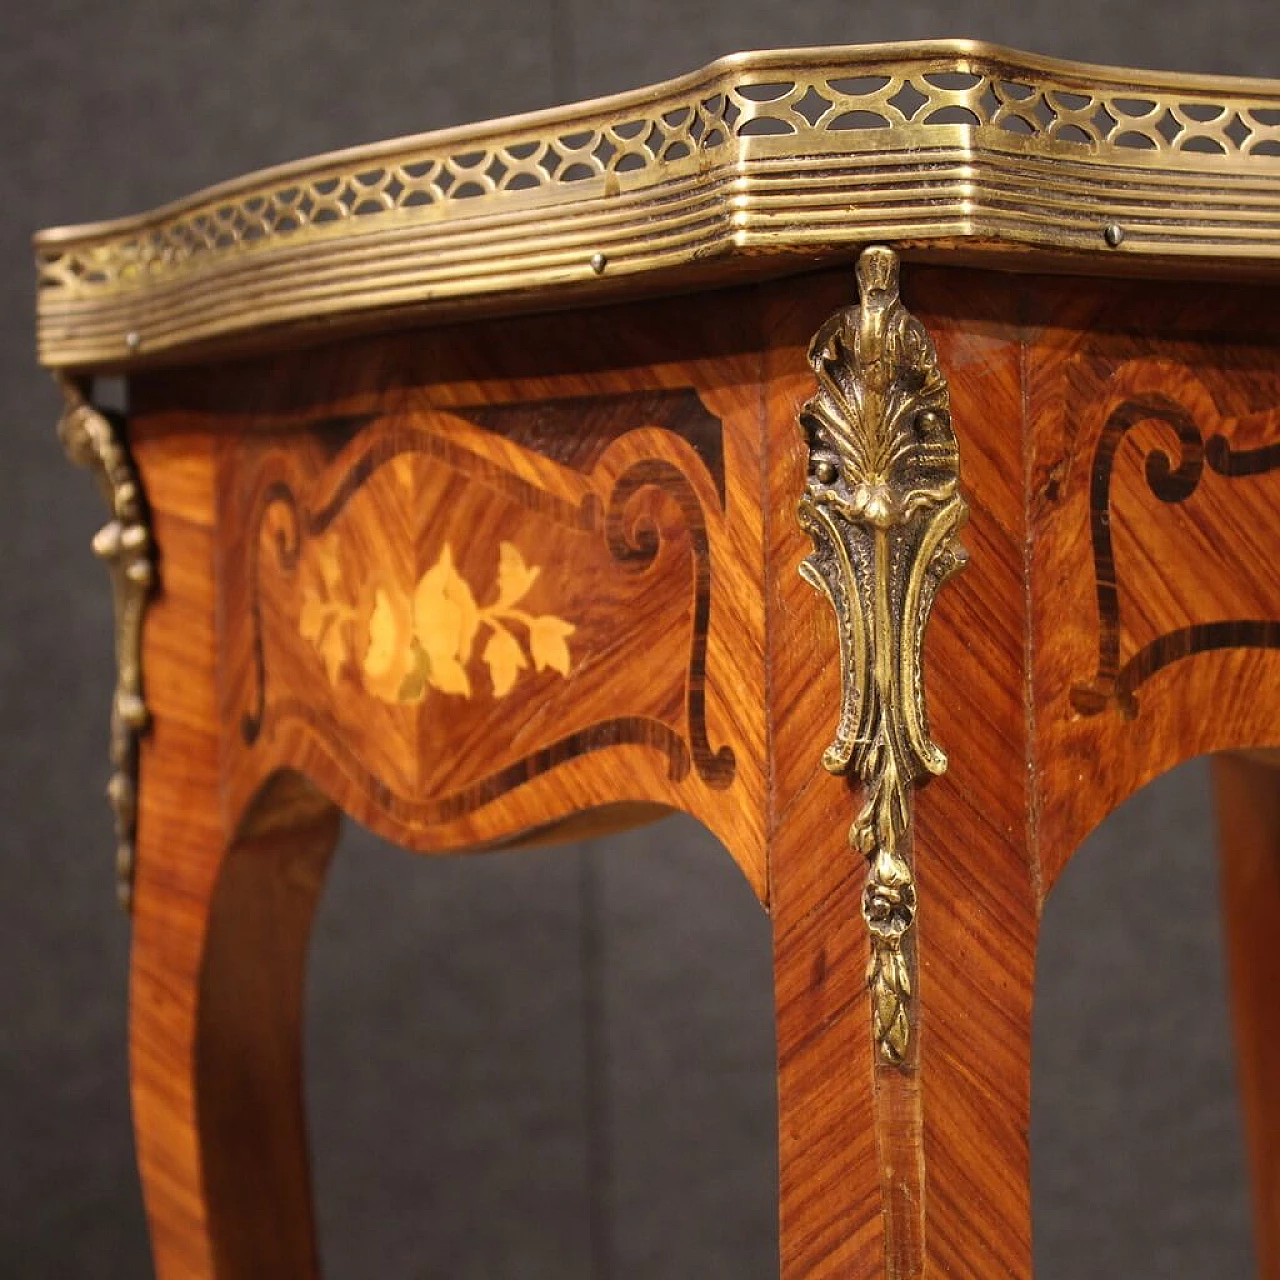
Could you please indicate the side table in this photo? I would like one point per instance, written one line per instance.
(733, 446)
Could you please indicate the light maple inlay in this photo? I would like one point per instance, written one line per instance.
(406, 640)
(517, 580)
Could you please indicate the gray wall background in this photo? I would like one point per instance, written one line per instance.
(557, 1064)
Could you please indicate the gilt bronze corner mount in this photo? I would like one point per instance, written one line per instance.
(93, 439)
(882, 505)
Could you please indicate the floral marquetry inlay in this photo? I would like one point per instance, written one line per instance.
(404, 640)
(433, 605)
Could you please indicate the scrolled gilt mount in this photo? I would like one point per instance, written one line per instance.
(93, 440)
(882, 505)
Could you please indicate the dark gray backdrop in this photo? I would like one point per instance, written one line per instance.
(557, 1064)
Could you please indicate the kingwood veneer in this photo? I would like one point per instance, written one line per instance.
(466, 487)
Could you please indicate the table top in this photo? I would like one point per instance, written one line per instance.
(762, 163)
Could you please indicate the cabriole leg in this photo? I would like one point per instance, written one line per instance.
(1247, 791)
(901, 880)
(217, 984)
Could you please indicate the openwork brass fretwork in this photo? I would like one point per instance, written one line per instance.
(883, 506)
(970, 147)
(94, 440)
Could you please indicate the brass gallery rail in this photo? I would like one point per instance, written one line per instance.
(949, 144)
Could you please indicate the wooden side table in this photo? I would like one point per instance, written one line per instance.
(531, 480)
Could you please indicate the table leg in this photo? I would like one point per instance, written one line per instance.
(919, 1168)
(1247, 790)
(217, 983)
(903, 877)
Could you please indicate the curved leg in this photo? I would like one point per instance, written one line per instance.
(217, 977)
(904, 891)
(829, 1178)
(920, 1169)
(1247, 791)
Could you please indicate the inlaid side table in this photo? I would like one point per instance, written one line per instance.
(734, 447)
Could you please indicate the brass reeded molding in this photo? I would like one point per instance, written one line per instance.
(883, 506)
(93, 439)
(755, 164)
